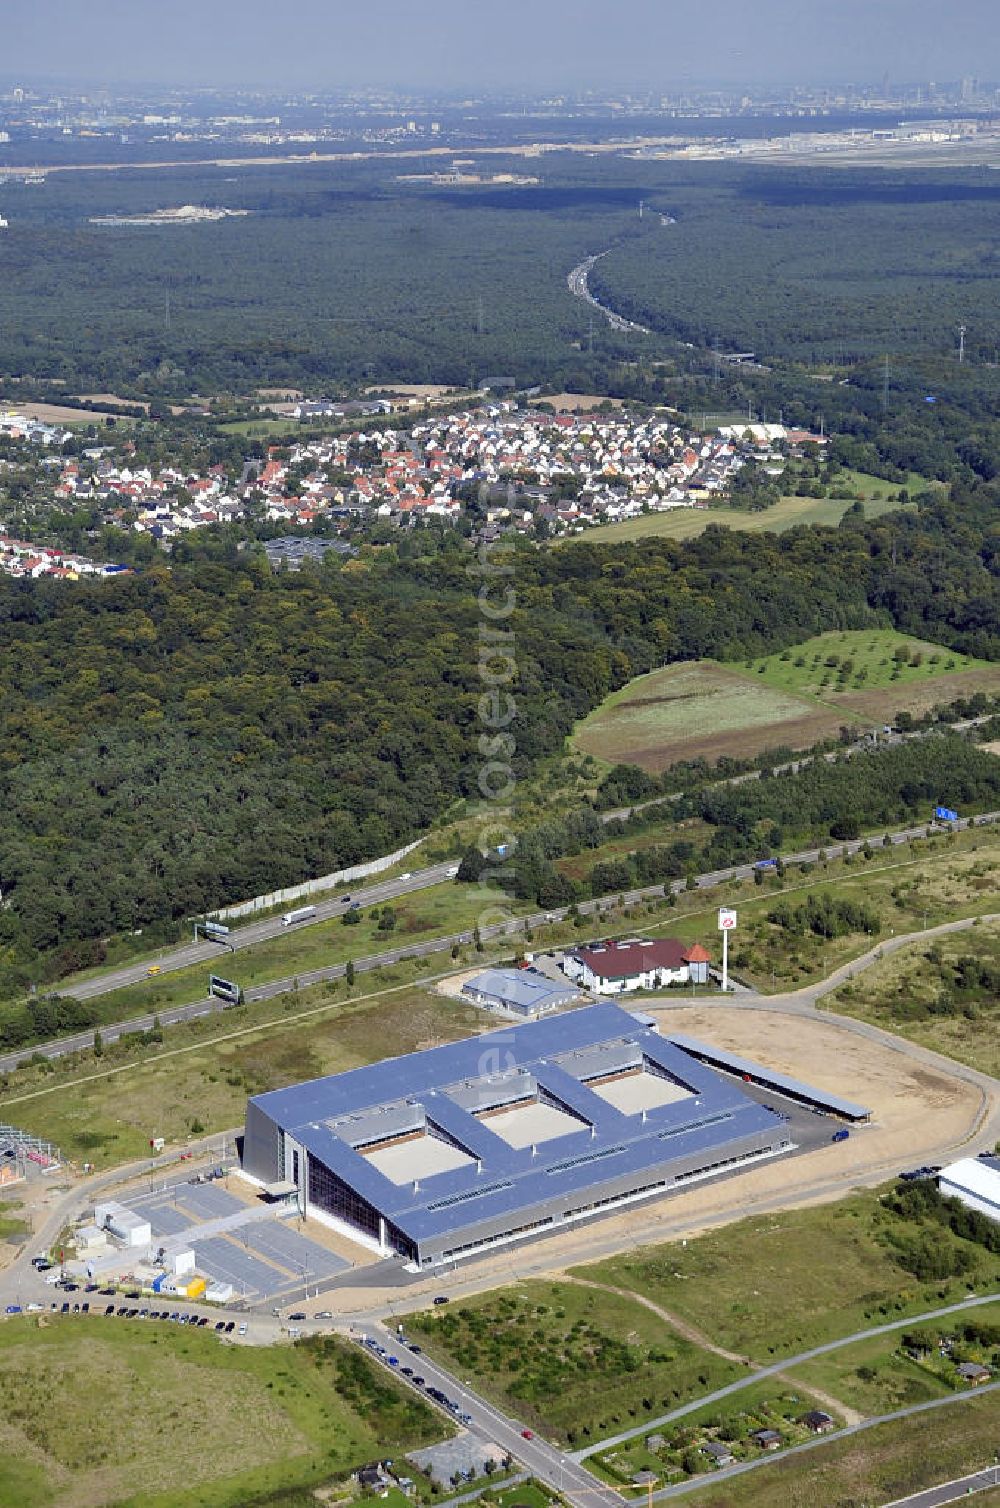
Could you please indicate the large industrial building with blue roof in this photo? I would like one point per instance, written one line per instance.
(445, 1153)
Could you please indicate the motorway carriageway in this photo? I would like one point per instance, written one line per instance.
(170, 1016)
(386, 890)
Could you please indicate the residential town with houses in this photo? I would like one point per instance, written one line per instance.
(497, 466)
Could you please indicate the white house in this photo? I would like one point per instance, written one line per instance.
(611, 968)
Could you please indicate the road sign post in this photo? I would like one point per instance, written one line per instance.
(727, 923)
(224, 989)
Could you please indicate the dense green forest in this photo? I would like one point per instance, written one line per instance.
(207, 730)
(344, 272)
(816, 266)
(745, 822)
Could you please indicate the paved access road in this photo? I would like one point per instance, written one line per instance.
(950, 1492)
(215, 954)
(952, 1400)
(259, 931)
(544, 1460)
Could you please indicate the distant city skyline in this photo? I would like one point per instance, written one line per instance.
(465, 45)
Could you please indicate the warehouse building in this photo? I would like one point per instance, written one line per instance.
(445, 1153)
(522, 992)
(975, 1181)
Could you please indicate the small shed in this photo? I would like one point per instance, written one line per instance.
(718, 1454)
(766, 1439)
(972, 1374)
(817, 1422)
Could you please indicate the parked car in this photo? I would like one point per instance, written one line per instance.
(442, 1299)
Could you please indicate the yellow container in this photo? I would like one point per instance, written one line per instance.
(196, 1288)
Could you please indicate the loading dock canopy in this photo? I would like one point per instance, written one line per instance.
(280, 1190)
(781, 1083)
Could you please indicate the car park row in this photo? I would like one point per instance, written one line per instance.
(125, 1312)
(392, 1362)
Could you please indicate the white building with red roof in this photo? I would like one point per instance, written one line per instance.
(614, 968)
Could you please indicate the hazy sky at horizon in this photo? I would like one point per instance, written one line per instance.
(477, 45)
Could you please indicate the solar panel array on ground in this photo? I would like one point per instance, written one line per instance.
(296, 1253)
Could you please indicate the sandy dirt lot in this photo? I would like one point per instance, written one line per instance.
(919, 1115)
(576, 403)
(921, 696)
(414, 389)
(915, 1109)
(993, 747)
(452, 986)
(113, 398)
(55, 413)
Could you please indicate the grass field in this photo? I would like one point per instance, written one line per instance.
(797, 698)
(877, 1377)
(860, 660)
(206, 1070)
(12, 1226)
(177, 1418)
(787, 513)
(698, 708)
(775, 1285)
(436, 911)
(570, 1361)
(882, 1464)
(909, 889)
(922, 994)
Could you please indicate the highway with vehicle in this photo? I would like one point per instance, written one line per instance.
(216, 953)
(551, 1465)
(170, 1015)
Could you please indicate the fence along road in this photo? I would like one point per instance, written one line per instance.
(211, 952)
(434, 874)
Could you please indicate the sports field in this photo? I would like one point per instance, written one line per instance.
(796, 698)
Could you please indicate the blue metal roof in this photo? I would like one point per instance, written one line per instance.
(504, 1179)
(521, 987)
(781, 1081)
